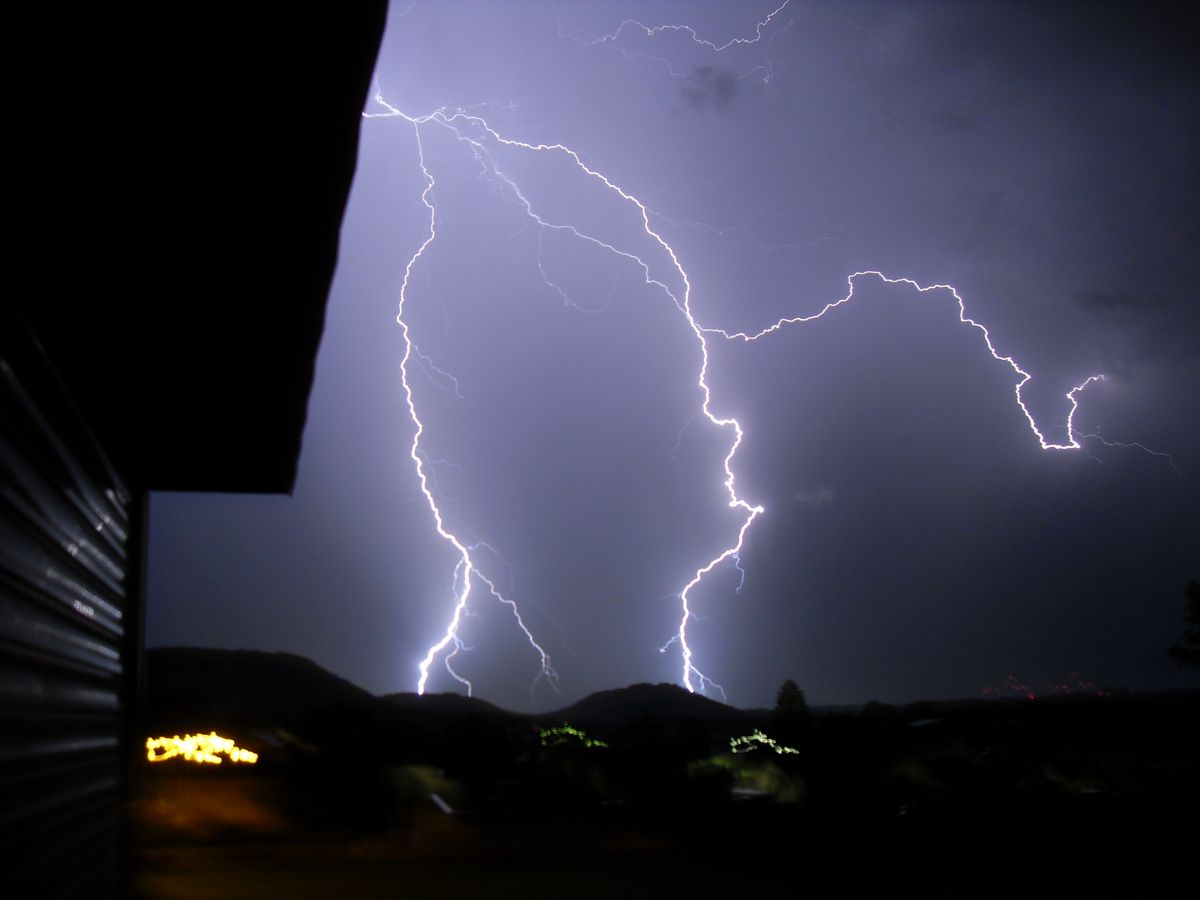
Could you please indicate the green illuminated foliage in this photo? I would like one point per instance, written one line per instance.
(565, 734)
(757, 739)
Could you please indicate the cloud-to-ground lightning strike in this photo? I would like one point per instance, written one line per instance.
(476, 132)
(691, 675)
(465, 568)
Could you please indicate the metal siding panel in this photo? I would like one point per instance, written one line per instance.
(64, 571)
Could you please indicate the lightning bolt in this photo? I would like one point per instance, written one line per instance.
(1131, 445)
(1072, 442)
(465, 569)
(443, 379)
(652, 31)
(478, 134)
(683, 303)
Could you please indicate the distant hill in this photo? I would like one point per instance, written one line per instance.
(189, 686)
(446, 706)
(624, 706)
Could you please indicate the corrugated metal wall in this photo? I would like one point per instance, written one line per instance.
(64, 633)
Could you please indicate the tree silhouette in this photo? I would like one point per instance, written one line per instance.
(791, 720)
(790, 699)
(1187, 651)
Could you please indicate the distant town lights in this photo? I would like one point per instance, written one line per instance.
(198, 748)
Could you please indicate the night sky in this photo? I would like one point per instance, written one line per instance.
(917, 541)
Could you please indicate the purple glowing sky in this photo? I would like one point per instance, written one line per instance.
(917, 541)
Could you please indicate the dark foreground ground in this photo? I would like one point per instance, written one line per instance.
(465, 857)
(1078, 797)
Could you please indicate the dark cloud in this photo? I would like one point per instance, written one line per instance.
(1102, 301)
(1137, 327)
(711, 86)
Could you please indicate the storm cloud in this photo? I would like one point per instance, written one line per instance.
(711, 87)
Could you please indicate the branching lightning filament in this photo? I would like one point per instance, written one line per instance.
(465, 571)
(675, 285)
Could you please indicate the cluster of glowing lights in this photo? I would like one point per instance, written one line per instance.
(670, 278)
(756, 740)
(197, 748)
(1074, 684)
(566, 734)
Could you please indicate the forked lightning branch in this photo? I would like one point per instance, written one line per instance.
(675, 287)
